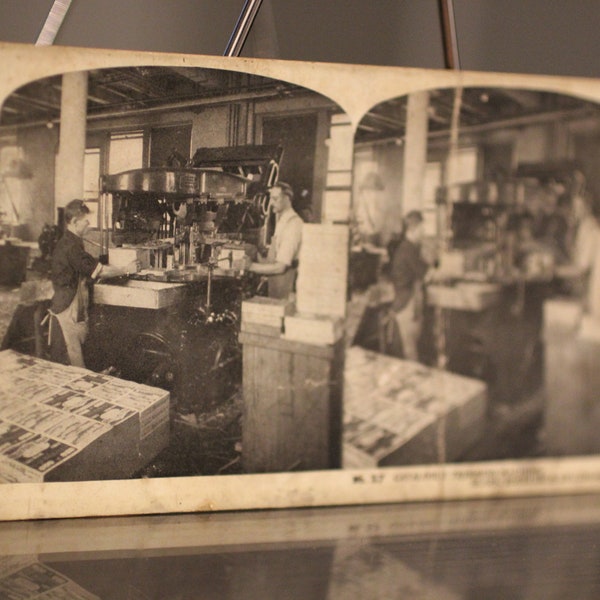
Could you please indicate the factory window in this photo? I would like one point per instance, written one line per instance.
(91, 173)
(170, 146)
(126, 151)
(431, 183)
(91, 182)
(465, 167)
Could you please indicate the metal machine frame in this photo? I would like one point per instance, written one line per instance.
(193, 225)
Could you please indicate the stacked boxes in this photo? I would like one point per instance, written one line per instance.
(265, 315)
(293, 363)
(399, 412)
(140, 294)
(277, 318)
(313, 329)
(122, 257)
(62, 423)
(321, 288)
(232, 256)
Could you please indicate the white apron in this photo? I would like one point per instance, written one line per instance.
(74, 331)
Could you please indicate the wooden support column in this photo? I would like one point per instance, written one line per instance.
(71, 150)
(415, 151)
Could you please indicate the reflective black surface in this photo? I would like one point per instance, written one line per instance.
(515, 549)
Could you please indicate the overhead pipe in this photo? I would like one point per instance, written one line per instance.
(523, 121)
(182, 105)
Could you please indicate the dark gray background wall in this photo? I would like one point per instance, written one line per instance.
(558, 37)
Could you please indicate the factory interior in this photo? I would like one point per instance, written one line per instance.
(210, 375)
(176, 165)
(507, 183)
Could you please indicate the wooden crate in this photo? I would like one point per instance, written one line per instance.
(292, 416)
(571, 380)
(139, 294)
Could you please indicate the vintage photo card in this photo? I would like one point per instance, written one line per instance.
(238, 283)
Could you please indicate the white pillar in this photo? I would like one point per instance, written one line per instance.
(415, 151)
(71, 150)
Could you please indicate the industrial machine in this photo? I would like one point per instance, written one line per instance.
(175, 323)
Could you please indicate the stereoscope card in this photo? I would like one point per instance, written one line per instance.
(439, 337)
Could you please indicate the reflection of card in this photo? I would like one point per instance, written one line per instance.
(31, 582)
(70, 591)
(11, 564)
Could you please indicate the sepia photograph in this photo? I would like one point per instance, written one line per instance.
(232, 284)
(158, 217)
(474, 278)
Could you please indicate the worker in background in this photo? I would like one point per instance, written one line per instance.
(281, 262)
(555, 232)
(407, 272)
(73, 269)
(584, 269)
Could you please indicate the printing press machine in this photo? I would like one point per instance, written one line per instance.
(175, 323)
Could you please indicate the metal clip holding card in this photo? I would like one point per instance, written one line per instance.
(242, 28)
(240, 32)
(449, 37)
(59, 9)
(54, 20)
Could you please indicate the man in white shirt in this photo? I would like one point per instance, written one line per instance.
(281, 262)
(584, 270)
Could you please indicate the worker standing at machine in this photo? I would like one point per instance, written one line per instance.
(407, 271)
(281, 262)
(583, 272)
(73, 269)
